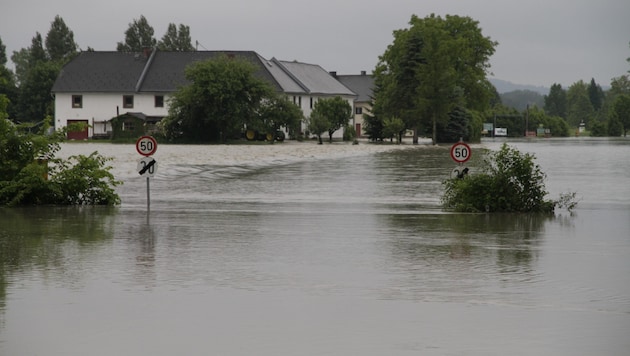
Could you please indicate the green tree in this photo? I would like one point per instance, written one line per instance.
(337, 112)
(556, 101)
(35, 75)
(138, 37)
(621, 111)
(7, 82)
(373, 127)
(318, 123)
(595, 95)
(432, 67)
(579, 107)
(60, 44)
(276, 113)
(394, 127)
(34, 100)
(508, 181)
(223, 97)
(174, 40)
(30, 174)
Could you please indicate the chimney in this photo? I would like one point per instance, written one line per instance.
(362, 72)
(146, 51)
(334, 74)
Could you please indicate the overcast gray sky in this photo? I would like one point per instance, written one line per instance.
(541, 42)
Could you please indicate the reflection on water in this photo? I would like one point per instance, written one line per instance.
(350, 255)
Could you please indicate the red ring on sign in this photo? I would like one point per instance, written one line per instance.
(457, 156)
(148, 151)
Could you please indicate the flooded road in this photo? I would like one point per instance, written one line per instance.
(282, 250)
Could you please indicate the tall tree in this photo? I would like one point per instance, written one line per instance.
(431, 68)
(35, 75)
(7, 83)
(222, 98)
(556, 101)
(174, 40)
(60, 43)
(579, 107)
(621, 110)
(595, 95)
(138, 36)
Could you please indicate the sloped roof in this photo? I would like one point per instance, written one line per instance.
(101, 72)
(155, 71)
(167, 72)
(361, 84)
(313, 78)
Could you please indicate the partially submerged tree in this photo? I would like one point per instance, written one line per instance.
(30, 174)
(318, 124)
(337, 112)
(508, 181)
(276, 113)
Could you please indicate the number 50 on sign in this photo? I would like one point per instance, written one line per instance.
(460, 152)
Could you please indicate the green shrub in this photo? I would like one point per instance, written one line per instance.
(508, 181)
(30, 174)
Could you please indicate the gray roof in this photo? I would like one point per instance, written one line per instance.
(362, 84)
(155, 71)
(101, 72)
(159, 71)
(313, 78)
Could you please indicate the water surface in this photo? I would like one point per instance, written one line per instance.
(348, 255)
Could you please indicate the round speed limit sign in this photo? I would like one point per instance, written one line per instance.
(146, 145)
(460, 152)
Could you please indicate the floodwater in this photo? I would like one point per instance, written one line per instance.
(344, 254)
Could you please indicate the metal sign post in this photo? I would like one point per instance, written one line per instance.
(146, 146)
(460, 153)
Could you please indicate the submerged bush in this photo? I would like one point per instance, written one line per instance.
(30, 174)
(508, 181)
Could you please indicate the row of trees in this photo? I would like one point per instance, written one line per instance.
(604, 113)
(432, 78)
(37, 66)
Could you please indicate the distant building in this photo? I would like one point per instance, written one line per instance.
(96, 87)
(363, 85)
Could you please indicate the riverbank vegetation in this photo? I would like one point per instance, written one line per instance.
(507, 181)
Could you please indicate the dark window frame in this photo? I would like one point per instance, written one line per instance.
(159, 101)
(77, 101)
(128, 101)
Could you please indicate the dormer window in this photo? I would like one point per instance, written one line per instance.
(77, 101)
(128, 101)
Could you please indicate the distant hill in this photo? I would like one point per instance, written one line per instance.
(503, 86)
(519, 99)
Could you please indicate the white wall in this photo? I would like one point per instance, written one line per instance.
(98, 107)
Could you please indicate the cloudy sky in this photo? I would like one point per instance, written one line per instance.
(541, 42)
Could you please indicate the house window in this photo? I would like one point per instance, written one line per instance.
(311, 104)
(159, 101)
(77, 101)
(127, 126)
(358, 110)
(299, 101)
(128, 101)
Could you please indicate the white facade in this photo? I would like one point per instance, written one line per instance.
(98, 108)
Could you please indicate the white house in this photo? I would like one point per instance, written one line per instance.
(96, 86)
